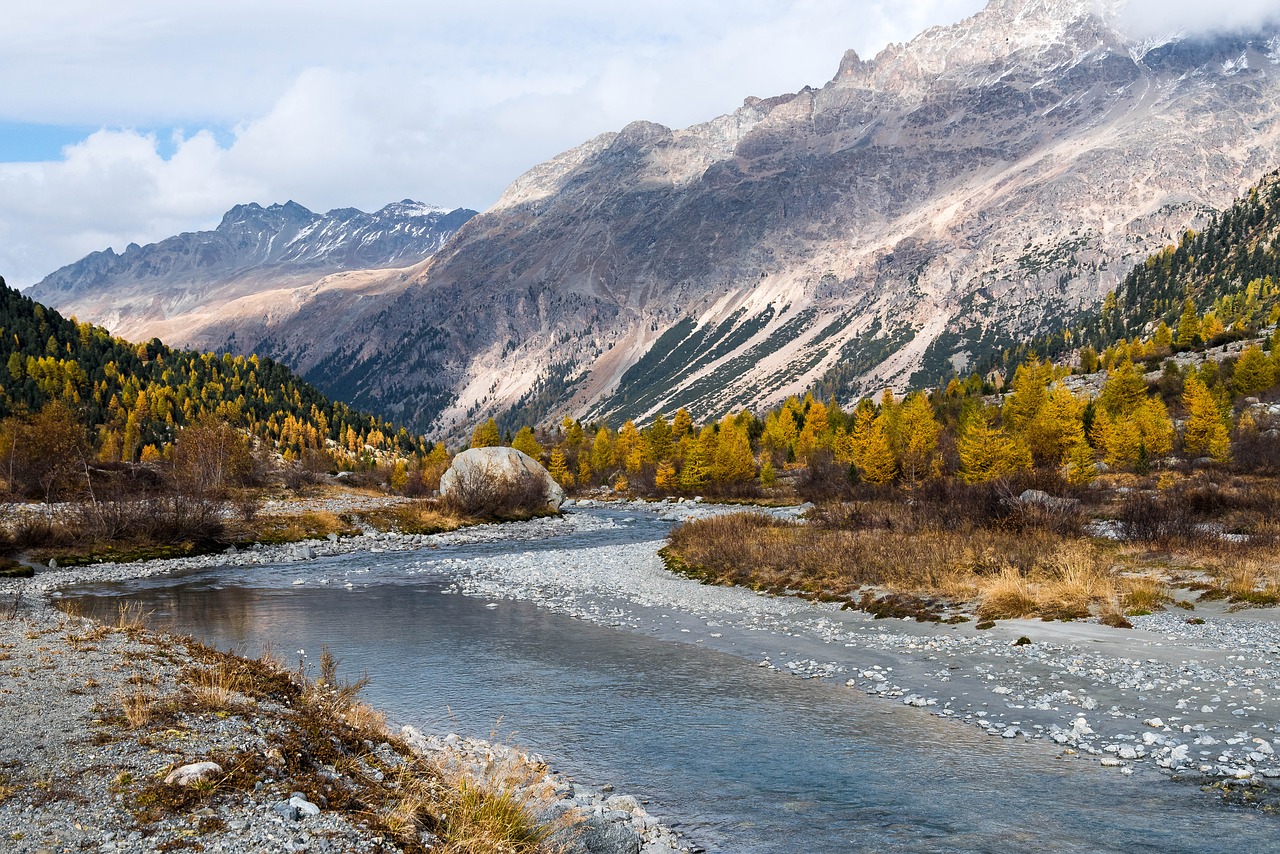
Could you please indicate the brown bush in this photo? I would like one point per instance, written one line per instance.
(485, 495)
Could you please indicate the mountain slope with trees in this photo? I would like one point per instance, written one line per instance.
(133, 399)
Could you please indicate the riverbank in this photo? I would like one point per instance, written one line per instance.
(100, 715)
(1115, 680)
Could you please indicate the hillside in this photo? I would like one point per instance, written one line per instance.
(1213, 285)
(135, 396)
(206, 289)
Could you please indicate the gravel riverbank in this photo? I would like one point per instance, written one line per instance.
(77, 774)
(1189, 695)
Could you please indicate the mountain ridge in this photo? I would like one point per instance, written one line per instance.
(174, 284)
(986, 181)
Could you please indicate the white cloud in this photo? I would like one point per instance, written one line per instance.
(1167, 17)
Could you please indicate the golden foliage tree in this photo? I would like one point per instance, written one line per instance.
(486, 435)
(1205, 433)
(988, 452)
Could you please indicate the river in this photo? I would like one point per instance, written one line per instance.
(737, 757)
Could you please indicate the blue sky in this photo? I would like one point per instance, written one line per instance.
(133, 120)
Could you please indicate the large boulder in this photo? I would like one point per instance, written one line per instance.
(499, 467)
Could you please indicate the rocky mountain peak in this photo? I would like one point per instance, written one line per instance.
(1005, 32)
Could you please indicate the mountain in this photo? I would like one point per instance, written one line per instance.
(982, 184)
(196, 288)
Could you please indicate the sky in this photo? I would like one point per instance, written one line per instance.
(133, 120)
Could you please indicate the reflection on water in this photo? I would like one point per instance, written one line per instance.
(744, 759)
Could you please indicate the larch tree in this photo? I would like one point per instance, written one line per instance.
(916, 438)
(485, 435)
(989, 453)
(877, 463)
(1205, 433)
(527, 443)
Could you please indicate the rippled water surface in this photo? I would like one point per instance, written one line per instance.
(741, 759)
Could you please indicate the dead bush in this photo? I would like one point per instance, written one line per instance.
(481, 494)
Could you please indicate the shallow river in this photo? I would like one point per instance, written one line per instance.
(738, 758)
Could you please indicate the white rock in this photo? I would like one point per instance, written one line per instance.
(193, 773)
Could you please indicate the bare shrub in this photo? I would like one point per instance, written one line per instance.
(156, 519)
(1148, 518)
(485, 495)
(824, 479)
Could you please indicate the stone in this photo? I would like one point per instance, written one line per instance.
(500, 463)
(193, 773)
(1043, 499)
(287, 811)
(600, 836)
(303, 806)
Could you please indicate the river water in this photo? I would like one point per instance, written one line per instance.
(738, 758)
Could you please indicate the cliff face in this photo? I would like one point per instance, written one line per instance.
(984, 181)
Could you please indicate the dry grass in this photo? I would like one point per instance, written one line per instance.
(1007, 597)
(1143, 595)
(417, 517)
(139, 706)
(1010, 569)
(295, 527)
(131, 617)
(219, 687)
(503, 804)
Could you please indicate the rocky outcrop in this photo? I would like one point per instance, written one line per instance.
(499, 467)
